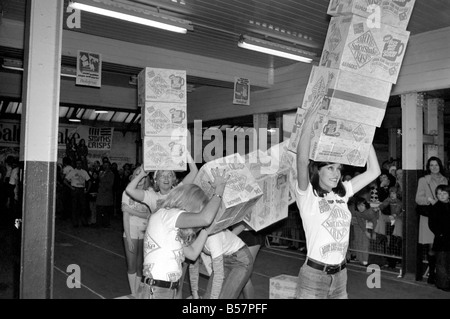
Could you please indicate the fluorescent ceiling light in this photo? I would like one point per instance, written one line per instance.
(101, 112)
(272, 48)
(123, 11)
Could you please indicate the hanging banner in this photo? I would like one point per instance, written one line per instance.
(96, 138)
(241, 91)
(89, 69)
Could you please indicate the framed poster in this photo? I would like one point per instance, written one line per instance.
(241, 91)
(89, 69)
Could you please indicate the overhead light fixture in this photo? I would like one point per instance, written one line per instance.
(74, 118)
(273, 31)
(132, 13)
(101, 112)
(272, 48)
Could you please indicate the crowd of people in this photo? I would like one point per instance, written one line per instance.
(90, 194)
(166, 221)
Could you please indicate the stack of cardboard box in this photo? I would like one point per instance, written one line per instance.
(273, 180)
(361, 59)
(162, 98)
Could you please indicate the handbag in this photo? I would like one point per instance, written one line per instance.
(423, 210)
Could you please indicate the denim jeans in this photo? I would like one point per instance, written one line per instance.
(146, 291)
(315, 284)
(238, 268)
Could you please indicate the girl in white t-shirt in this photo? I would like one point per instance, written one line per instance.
(165, 181)
(171, 235)
(135, 219)
(232, 265)
(322, 201)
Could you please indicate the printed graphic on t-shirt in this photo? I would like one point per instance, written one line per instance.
(323, 206)
(338, 225)
(150, 245)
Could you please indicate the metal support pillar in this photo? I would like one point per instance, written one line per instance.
(412, 161)
(39, 144)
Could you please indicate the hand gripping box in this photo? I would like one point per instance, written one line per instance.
(164, 152)
(336, 140)
(347, 95)
(273, 205)
(339, 141)
(240, 195)
(392, 12)
(163, 119)
(161, 85)
(283, 287)
(376, 52)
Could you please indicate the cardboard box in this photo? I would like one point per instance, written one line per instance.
(286, 159)
(392, 12)
(336, 140)
(296, 130)
(283, 287)
(241, 193)
(163, 119)
(165, 152)
(161, 85)
(339, 141)
(273, 205)
(352, 46)
(347, 95)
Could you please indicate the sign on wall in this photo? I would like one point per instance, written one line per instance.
(89, 69)
(241, 91)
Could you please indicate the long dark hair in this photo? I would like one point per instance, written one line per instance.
(314, 178)
(438, 160)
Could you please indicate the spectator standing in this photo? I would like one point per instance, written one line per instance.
(71, 149)
(439, 223)
(67, 190)
(362, 213)
(426, 190)
(79, 182)
(82, 153)
(92, 220)
(105, 196)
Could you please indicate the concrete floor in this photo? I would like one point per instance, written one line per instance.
(100, 255)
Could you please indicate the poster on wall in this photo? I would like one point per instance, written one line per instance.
(241, 91)
(89, 69)
(96, 138)
(9, 139)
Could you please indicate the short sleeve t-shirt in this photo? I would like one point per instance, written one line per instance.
(78, 177)
(222, 243)
(135, 206)
(326, 221)
(163, 251)
(154, 200)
